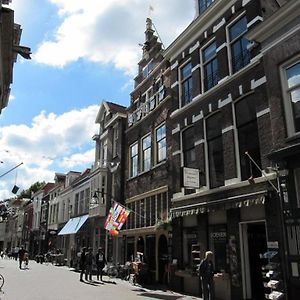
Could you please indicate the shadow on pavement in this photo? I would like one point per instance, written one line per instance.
(160, 296)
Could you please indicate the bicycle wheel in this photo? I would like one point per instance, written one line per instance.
(112, 272)
(1, 281)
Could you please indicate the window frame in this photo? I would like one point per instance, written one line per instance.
(286, 91)
(182, 80)
(229, 42)
(131, 157)
(206, 63)
(158, 160)
(143, 151)
(205, 7)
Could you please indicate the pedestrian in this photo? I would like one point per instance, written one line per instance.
(206, 272)
(82, 262)
(100, 262)
(21, 256)
(89, 264)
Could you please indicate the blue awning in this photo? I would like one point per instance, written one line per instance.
(73, 225)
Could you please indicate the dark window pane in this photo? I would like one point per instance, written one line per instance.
(213, 126)
(188, 146)
(204, 4)
(245, 111)
(216, 162)
(153, 210)
(238, 28)
(209, 52)
(186, 71)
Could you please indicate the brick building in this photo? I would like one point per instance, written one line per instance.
(223, 199)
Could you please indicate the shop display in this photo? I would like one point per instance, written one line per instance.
(195, 258)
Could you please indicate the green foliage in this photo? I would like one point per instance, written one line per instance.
(33, 188)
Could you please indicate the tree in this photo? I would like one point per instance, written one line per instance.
(33, 188)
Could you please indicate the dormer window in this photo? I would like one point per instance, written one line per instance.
(147, 69)
(204, 4)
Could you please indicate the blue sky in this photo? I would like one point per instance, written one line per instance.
(84, 52)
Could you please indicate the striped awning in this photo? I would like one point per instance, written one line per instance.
(220, 204)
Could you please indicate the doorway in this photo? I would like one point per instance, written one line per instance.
(163, 258)
(253, 244)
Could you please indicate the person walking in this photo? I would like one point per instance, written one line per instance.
(100, 262)
(21, 256)
(82, 262)
(206, 272)
(89, 264)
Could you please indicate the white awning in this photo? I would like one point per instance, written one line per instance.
(73, 225)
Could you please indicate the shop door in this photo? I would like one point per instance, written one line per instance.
(254, 243)
(163, 258)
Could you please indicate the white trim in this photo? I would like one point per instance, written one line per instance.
(205, 34)
(263, 112)
(176, 152)
(258, 82)
(219, 25)
(232, 181)
(176, 129)
(199, 142)
(254, 20)
(193, 48)
(174, 65)
(196, 67)
(241, 90)
(185, 121)
(224, 45)
(245, 2)
(236, 144)
(223, 79)
(229, 128)
(183, 55)
(233, 9)
(224, 102)
(210, 107)
(174, 84)
(198, 117)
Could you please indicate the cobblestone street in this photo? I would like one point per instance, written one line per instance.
(48, 282)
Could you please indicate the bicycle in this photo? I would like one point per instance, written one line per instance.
(112, 270)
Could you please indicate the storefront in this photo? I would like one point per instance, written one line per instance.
(239, 230)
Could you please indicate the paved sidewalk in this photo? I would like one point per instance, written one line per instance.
(48, 282)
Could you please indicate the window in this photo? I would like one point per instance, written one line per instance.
(104, 153)
(292, 97)
(215, 150)
(210, 66)
(248, 137)
(186, 84)
(115, 141)
(147, 69)
(240, 55)
(204, 4)
(134, 160)
(161, 145)
(146, 148)
(188, 147)
(297, 185)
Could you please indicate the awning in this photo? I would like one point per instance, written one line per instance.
(226, 203)
(73, 225)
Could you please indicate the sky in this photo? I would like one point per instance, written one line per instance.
(83, 53)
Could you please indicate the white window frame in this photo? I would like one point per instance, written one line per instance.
(143, 152)
(181, 81)
(130, 159)
(286, 91)
(156, 144)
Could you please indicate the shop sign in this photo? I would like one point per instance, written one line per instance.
(191, 178)
(52, 232)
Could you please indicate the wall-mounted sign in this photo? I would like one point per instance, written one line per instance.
(191, 178)
(273, 245)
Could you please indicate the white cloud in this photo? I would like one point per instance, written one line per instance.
(51, 142)
(110, 31)
(12, 97)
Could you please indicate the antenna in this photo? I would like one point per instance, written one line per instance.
(163, 46)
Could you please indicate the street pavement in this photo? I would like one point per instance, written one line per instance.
(49, 282)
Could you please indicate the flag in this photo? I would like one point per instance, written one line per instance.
(116, 218)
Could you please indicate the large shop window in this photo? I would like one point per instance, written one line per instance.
(248, 139)
(161, 144)
(218, 245)
(292, 97)
(134, 160)
(146, 153)
(210, 66)
(188, 147)
(215, 150)
(186, 84)
(240, 55)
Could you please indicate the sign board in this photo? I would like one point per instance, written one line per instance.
(191, 178)
(273, 245)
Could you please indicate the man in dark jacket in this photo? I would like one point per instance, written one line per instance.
(21, 254)
(89, 258)
(100, 262)
(82, 262)
(206, 272)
